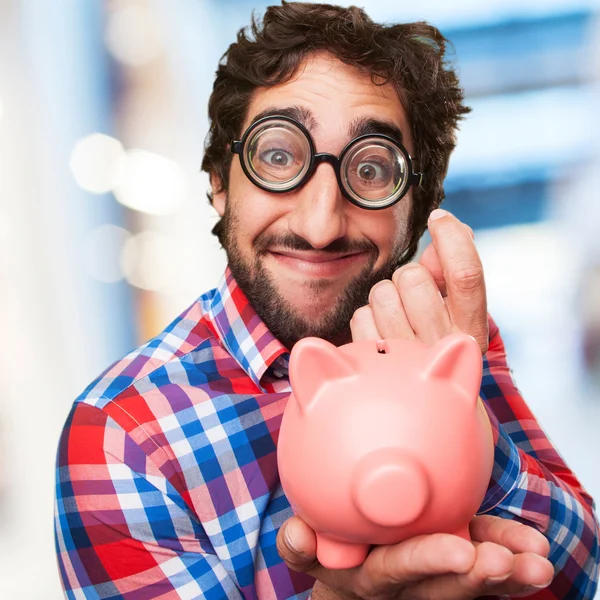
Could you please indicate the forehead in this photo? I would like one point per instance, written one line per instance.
(336, 96)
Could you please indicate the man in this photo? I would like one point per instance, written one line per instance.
(167, 473)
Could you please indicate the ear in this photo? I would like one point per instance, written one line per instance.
(313, 362)
(457, 359)
(219, 198)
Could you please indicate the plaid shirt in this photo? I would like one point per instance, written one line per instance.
(167, 484)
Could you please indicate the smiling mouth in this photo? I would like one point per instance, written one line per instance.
(316, 257)
(318, 264)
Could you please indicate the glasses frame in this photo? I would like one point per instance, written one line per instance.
(238, 147)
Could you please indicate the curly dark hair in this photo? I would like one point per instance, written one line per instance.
(411, 56)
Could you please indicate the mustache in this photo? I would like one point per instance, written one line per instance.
(291, 241)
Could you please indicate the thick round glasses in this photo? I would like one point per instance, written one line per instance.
(277, 154)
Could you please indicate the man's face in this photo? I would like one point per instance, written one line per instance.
(307, 259)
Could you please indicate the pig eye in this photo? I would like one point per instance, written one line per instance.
(381, 347)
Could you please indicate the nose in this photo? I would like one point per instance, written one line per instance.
(319, 213)
(390, 487)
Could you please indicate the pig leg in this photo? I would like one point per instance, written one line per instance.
(334, 554)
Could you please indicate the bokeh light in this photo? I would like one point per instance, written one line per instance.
(146, 259)
(133, 34)
(150, 183)
(94, 161)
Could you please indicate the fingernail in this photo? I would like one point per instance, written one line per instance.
(384, 292)
(438, 213)
(532, 588)
(491, 581)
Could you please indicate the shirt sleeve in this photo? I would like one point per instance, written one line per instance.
(531, 483)
(121, 529)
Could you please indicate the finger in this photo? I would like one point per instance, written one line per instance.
(390, 318)
(508, 533)
(385, 566)
(531, 573)
(431, 261)
(362, 325)
(297, 545)
(423, 304)
(413, 560)
(463, 273)
(493, 564)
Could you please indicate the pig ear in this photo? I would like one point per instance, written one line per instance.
(457, 358)
(313, 362)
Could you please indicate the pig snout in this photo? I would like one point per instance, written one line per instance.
(389, 487)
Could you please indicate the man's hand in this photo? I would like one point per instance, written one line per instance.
(444, 293)
(505, 558)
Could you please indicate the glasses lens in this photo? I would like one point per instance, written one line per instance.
(277, 154)
(375, 172)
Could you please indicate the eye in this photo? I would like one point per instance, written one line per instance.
(277, 158)
(373, 172)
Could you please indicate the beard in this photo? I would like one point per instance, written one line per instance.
(283, 320)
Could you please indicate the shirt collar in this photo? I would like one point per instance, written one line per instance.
(242, 331)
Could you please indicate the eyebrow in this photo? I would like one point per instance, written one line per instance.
(368, 126)
(303, 115)
(358, 127)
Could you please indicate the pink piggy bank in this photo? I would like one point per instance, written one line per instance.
(383, 441)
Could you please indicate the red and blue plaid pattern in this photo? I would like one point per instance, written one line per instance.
(167, 484)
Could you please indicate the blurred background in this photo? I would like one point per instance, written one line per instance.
(105, 226)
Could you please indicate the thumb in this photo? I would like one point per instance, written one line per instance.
(297, 545)
(431, 261)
